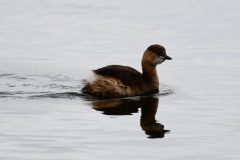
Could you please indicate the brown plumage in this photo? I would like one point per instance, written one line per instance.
(128, 75)
(122, 81)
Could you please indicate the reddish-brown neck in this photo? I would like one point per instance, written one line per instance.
(150, 75)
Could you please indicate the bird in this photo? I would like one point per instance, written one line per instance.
(118, 81)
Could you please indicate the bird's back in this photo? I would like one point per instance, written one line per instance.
(125, 74)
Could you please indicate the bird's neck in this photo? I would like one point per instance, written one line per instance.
(150, 76)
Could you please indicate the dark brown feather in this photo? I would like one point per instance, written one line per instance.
(158, 49)
(125, 74)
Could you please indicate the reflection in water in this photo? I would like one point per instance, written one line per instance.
(148, 107)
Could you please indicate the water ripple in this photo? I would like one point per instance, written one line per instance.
(51, 86)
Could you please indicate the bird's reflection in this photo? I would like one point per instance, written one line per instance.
(148, 106)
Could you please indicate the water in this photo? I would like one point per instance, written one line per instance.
(48, 47)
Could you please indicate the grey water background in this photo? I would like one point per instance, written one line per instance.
(48, 47)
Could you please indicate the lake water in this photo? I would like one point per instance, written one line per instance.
(48, 47)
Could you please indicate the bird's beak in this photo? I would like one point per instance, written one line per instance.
(167, 58)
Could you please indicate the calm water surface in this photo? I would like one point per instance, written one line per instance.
(48, 47)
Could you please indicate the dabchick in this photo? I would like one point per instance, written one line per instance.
(116, 81)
